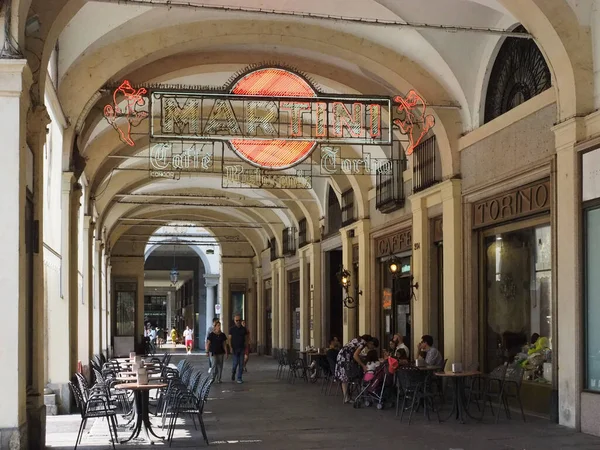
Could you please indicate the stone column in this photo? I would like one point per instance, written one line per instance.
(99, 299)
(304, 302)
(260, 312)
(362, 231)
(350, 330)
(421, 246)
(277, 343)
(569, 293)
(453, 299)
(316, 280)
(108, 304)
(72, 276)
(86, 310)
(210, 281)
(37, 122)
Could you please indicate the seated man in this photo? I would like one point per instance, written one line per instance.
(432, 355)
(397, 344)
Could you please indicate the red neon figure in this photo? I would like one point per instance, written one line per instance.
(414, 109)
(133, 117)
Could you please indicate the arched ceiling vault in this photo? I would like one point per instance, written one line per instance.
(101, 43)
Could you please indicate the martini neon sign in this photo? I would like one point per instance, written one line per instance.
(271, 117)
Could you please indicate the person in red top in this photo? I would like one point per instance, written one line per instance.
(247, 349)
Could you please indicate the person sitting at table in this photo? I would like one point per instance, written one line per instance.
(335, 343)
(402, 357)
(397, 344)
(433, 357)
(330, 354)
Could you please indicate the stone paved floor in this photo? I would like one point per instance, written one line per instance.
(267, 414)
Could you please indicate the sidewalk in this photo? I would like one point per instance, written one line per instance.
(269, 414)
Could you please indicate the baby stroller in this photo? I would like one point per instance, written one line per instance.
(377, 389)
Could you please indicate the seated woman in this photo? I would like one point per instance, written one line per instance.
(402, 357)
(349, 356)
(372, 364)
(323, 363)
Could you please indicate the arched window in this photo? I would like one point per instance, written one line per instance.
(519, 73)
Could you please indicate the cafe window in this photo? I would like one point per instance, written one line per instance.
(302, 233)
(289, 241)
(348, 210)
(517, 289)
(592, 297)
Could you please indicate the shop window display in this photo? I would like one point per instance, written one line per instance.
(518, 308)
(592, 287)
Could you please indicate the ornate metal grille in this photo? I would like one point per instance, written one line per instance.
(302, 233)
(289, 241)
(273, 249)
(390, 187)
(334, 213)
(519, 73)
(425, 165)
(348, 213)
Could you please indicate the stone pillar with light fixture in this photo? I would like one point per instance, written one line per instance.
(421, 261)
(362, 236)
(349, 321)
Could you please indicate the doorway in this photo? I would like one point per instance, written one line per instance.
(294, 299)
(334, 291)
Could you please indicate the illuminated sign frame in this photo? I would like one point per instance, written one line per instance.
(270, 117)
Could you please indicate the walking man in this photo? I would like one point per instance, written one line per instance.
(210, 330)
(188, 336)
(216, 344)
(237, 342)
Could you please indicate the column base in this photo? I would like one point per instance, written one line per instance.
(14, 438)
(63, 397)
(36, 426)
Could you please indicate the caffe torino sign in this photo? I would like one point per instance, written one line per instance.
(273, 119)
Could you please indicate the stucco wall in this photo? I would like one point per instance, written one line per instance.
(511, 150)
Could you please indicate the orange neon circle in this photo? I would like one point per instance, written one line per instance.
(273, 154)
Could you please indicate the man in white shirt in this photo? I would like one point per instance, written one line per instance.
(433, 356)
(398, 342)
(188, 336)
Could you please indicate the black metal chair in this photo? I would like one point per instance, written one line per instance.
(415, 386)
(298, 369)
(191, 403)
(493, 390)
(512, 388)
(96, 405)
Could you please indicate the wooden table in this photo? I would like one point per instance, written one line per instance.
(142, 401)
(459, 408)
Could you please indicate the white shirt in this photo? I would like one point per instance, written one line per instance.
(402, 346)
(371, 366)
(187, 334)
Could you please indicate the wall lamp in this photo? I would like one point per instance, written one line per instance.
(396, 270)
(344, 278)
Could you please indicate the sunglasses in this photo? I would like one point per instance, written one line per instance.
(237, 321)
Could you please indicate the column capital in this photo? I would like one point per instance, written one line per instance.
(451, 189)
(211, 280)
(568, 133)
(15, 77)
(38, 119)
(68, 178)
(88, 222)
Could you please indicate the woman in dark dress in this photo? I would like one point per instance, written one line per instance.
(350, 354)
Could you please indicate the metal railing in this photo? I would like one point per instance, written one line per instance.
(390, 186)
(425, 167)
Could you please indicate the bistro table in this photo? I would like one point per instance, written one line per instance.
(142, 412)
(458, 401)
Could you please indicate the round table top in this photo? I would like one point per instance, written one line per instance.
(468, 373)
(140, 387)
(429, 367)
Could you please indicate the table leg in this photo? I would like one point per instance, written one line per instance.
(146, 417)
(138, 405)
(455, 401)
(459, 387)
